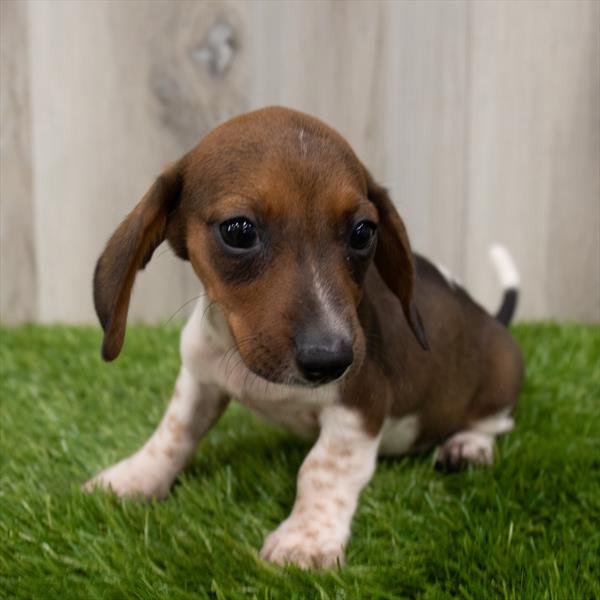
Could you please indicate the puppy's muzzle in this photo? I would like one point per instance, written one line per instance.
(322, 357)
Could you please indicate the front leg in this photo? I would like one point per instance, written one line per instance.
(330, 480)
(194, 408)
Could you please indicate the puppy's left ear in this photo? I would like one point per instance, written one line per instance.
(394, 258)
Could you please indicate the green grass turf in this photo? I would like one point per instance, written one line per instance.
(528, 527)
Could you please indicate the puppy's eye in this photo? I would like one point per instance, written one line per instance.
(239, 233)
(363, 236)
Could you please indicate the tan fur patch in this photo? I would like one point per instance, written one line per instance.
(311, 464)
(175, 427)
(341, 448)
(319, 484)
(171, 452)
(330, 465)
(300, 508)
(340, 502)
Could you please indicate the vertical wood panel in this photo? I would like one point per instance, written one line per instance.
(329, 59)
(390, 77)
(483, 119)
(427, 125)
(573, 235)
(119, 91)
(18, 289)
(534, 152)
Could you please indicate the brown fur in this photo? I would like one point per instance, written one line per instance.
(302, 183)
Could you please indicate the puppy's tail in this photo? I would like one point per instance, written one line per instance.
(509, 279)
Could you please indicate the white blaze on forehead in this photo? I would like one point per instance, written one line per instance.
(327, 308)
(303, 148)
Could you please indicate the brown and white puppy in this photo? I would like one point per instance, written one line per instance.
(317, 316)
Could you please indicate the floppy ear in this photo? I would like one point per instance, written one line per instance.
(129, 250)
(394, 258)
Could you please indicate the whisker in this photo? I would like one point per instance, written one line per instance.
(226, 358)
(238, 361)
(230, 354)
(245, 382)
(181, 307)
(208, 306)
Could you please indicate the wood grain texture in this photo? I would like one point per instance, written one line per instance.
(390, 76)
(534, 152)
(118, 94)
(482, 118)
(18, 269)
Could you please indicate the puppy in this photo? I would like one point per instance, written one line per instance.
(317, 315)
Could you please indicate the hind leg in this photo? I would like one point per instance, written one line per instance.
(474, 445)
(489, 414)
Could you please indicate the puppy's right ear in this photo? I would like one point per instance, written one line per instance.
(129, 250)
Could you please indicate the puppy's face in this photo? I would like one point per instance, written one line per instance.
(282, 243)
(280, 221)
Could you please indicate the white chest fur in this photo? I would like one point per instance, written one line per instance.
(399, 435)
(208, 351)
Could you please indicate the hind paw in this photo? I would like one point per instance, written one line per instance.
(463, 448)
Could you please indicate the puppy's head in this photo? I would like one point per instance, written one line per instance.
(280, 221)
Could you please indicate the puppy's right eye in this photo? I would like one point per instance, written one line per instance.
(239, 233)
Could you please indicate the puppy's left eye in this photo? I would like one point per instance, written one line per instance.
(363, 236)
(239, 233)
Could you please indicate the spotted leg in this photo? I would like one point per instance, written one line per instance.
(150, 472)
(329, 484)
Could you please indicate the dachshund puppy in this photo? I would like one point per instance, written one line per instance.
(317, 315)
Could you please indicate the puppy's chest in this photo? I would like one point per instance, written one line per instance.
(293, 407)
(302, 418)
(299, 409)
(296, 408)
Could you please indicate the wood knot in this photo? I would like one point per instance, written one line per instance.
(217, 49)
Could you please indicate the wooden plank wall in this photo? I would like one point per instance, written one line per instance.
(18, 269)
(483, 118)
(534, 151)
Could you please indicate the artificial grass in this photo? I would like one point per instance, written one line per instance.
(528, 527)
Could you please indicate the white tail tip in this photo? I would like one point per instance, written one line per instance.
(505, 266)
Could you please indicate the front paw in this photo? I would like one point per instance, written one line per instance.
(132, 477)
(303, 543)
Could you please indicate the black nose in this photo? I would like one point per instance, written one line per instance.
(322, 358)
